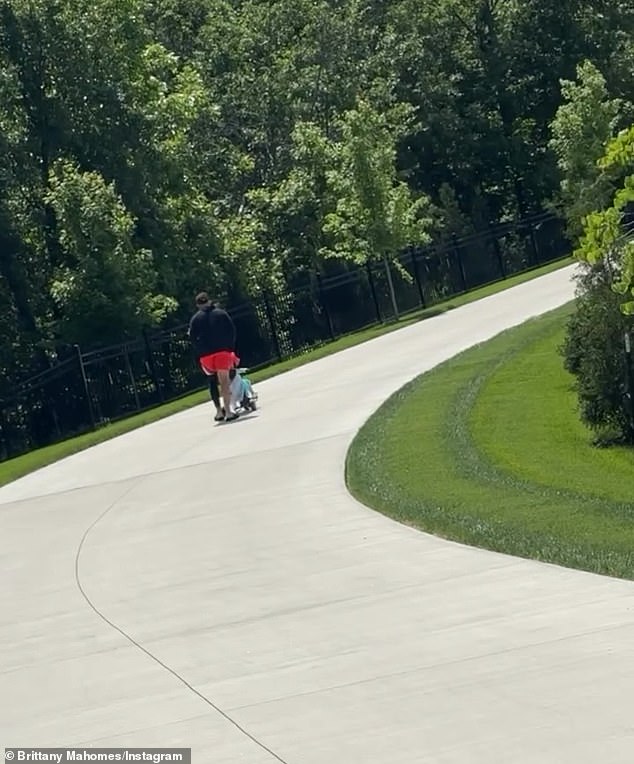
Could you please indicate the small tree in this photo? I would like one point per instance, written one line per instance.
(583, 141)
(375, 214)
(594, 348)
(614, 227)
(593, 352)
(581, 130)
(105, 288)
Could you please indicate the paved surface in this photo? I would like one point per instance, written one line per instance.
(328, 633)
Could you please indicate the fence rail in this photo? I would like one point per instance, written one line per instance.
(92, 388)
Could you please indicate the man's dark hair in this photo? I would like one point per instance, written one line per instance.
(202, 298)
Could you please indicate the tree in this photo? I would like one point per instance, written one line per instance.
(609, 233)
(105, 290)
(220, 128)
(594, 350)
(375, 214)
(581, 130)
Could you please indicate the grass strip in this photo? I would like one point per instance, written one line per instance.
(487, 450)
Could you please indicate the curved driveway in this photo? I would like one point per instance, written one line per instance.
(217, 588)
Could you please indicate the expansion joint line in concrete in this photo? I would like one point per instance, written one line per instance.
(140, 647)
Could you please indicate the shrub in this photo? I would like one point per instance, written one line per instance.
(594, 352)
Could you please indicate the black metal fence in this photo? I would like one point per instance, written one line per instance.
(92, 388)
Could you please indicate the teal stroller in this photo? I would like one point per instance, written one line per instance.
(243, 396)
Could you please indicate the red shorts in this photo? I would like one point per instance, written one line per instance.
(222, 361)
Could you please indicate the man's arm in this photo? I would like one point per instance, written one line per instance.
(231, 329)
(193, 332)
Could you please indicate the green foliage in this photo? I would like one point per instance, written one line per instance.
(245, 141)
(105, 287)
(620, 151)
(581, 130)
(375, 214)
(594, 349)
(594, 353)
(609, 233)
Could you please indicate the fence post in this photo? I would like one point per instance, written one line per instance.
(152, 365)
(419, 283)
(324, 305)
(128, 366)
(373, 290)
(5, 436)
(629, 377)
(274, 335)
(498, 255)
(456, 251)
(84, 379)
(534, 247)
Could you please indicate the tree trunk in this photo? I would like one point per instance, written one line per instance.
(390, 282)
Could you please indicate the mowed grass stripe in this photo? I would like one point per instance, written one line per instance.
(419, 459)
(526, 422)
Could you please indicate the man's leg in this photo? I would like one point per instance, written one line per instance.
(225, 388)
(214, 394)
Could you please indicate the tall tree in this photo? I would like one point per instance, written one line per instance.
(608, 235)
(582, 127)
(375, 215)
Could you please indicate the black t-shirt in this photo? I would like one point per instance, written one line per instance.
(211, 330)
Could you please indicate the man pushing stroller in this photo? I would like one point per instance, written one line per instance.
(213, 336)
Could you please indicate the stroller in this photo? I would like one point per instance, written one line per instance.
(243, 396)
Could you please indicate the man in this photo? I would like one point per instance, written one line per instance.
(213, 335)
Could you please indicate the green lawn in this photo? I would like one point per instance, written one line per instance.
(22, 465)
(487, 449)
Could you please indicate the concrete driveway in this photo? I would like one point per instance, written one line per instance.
(215, 587)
